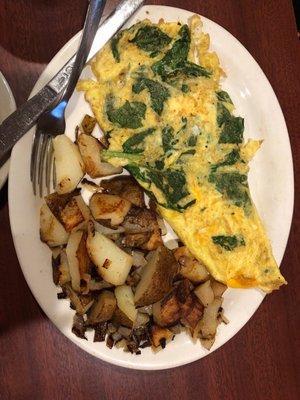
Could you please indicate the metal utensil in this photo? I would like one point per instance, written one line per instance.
(25, 117)
(52, 123)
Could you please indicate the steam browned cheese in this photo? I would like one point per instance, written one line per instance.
(157, 98)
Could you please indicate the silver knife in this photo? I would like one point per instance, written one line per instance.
(25, 117)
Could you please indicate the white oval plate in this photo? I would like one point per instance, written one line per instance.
(271, 182)
(7, 106)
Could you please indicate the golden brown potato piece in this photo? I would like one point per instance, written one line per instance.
(88, 124)
(109, 207)
(69, 209)
(191, 311)
(103, 309)
(69, 165)
(140, 220)
(160, 336)
(157, 277)
(51, 230)
(167, 311)
(120, 318)
(154, 242)
(190, 268)
(90, 150)
(126, 187)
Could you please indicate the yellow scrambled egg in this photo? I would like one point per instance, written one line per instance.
(158, 100)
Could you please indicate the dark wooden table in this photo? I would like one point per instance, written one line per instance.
(262, 361)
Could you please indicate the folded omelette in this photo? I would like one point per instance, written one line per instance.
(158, 100)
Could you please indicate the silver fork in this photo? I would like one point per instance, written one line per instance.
(52, 123)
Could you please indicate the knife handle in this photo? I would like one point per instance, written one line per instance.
(24, 118)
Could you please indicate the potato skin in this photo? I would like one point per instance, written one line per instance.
(126, 187)
(103, 309)
(120, 318)
(157, 280)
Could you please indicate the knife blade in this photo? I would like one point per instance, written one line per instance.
(25, 117)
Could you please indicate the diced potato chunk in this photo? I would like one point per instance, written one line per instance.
(109, 207)
(103, 309)
(160, 336)
(51, 230)
(68, 164)
(90, 150)
(157, 277)
(125, 301)
(113, 264)
(205, 293)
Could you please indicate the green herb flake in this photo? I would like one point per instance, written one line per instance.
(223, 96)
(133, 145)
(129, 115)
(158, 93)
(185, 88)
(229, 243)
(151, 39)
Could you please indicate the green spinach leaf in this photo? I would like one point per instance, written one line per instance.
(232, 127)
(230, 159)
(133, 145)
(167, 138)
(151, 39)
(223, 96)
(229, 243)
(129, 115)
(233, 185)
(114, 46)
(158, 93)
(174, 63)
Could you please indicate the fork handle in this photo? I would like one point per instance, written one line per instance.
(90, 28)
(24, 118)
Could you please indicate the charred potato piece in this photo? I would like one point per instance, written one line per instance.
(69, 209)
(157, 277)
(112, 263)
(191, 311)
(109, 207)
(103, 309)
(88, 124)
(126, 187)
(154, 242)
(69, 165)
(159, 336)
(136, 239)
(125, 301)
(167, 312)
(140, 220)
(90, 150)
(51, 230)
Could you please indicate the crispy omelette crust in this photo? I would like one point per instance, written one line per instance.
(169, 122)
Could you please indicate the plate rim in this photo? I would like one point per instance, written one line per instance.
(10, 99)
(120, 362)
